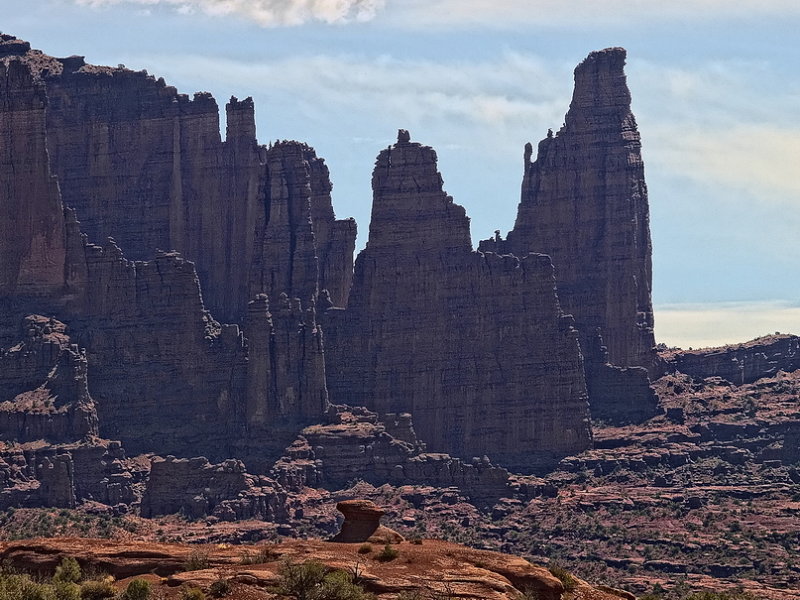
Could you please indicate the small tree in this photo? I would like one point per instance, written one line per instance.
(69, 570)
(138, 589)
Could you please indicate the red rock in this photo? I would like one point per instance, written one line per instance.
(466, 342)
(362, 523)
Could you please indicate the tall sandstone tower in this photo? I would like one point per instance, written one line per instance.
(584, 203)
(474, 345)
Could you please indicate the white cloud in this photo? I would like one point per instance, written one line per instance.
(420, 14)
(709, 325)
(488, 97)
(267, 13)
(575, 13)
(759, 159)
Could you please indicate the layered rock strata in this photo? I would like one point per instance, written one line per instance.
(584, 203)
(355, 445)
(740, 363)
(473, 345)
(43, 386)
(153, 351)
(64, 475)
(197, 488)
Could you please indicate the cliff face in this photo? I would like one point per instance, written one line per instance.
(145, 348)
(301, 248)
(146, 165)
(473, 345)
(32, 241)
(740, 363)
(44, 393)
(584, 203)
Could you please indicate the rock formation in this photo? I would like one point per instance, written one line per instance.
(196, 488)
(584, 203)
(63, 475)
(362, 523)
(473, 345)
(32, 241)
(146, 165)
(356, 445)
(43, 386)
(740, 363)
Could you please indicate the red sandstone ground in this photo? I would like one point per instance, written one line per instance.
(436, 568)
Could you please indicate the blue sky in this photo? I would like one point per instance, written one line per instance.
(716, 92)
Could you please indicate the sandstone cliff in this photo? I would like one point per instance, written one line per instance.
(44, 393)
(147, 166)
(740, 363)
(473, 345)
(584, 203)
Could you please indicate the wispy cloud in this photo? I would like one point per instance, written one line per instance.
(708, 325)
(729, 124)
(267, 13)
(421, 14)
(576, 13)
(469, 98)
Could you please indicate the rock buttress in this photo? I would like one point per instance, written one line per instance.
(473, 345)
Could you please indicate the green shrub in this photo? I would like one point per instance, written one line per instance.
(338, 585)
(300, 581)
(221, 587)
(69, 570)
(566, 578)
(97, 590)
(388, 553)
(66, 590)
(197, 561)
(192, 593)
(365, 548)
(21, 587)
(138, 589)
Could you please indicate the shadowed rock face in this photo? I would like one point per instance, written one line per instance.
(146, 165)
(32, 241)
(584, 203)
(167, 377)
(473, 345)
(43, 386)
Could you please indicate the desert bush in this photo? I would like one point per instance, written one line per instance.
(192, 593)
(69, 570)
(260, 555)
(97, 590)
(221, 587)
(138, 589)
(365, 548)
(566, 578)
(388, 553)
(196, 561)
(21, 587)
(309, 581)
(66, 590)
(301, 580)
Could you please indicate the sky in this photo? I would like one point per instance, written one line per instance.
(715, 87)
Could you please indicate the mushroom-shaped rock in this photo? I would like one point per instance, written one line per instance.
(362, 523)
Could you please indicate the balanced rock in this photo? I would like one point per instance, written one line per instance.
(362, 523)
